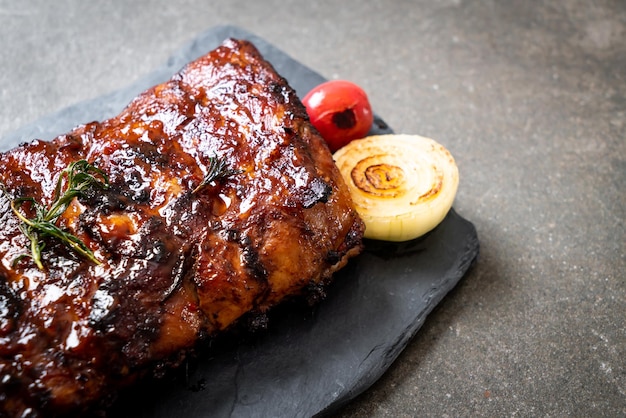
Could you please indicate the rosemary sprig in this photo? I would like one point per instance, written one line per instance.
(73, 182)
(217, 170)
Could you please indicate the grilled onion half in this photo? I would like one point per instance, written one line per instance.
(402, 185)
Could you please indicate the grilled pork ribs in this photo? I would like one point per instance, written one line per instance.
(183, 253)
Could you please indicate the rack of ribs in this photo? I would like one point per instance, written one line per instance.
(181, 257)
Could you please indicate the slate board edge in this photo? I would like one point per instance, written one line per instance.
(456, 272)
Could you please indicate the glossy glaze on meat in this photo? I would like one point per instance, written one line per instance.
(176, 266)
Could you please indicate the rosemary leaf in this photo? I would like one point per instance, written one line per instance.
(73, 182)
(217, 170)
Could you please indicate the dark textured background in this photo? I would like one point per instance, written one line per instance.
(529, 96)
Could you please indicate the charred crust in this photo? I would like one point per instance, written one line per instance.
(107, 202)
(182, 270)
(71, 142)
(333, 257)
(252, 260)
(155, 250)
(231, 235)
(150, 153)
(103, 311)
(318, 192)
(10, 308)
(133, 188)
(279, 90)
(354, 237)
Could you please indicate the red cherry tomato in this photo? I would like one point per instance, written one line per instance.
(340, 111)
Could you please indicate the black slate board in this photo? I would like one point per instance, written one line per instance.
(309, 361)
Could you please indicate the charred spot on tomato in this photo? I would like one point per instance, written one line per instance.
(345, 119)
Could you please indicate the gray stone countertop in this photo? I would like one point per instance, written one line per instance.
(530, 98)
